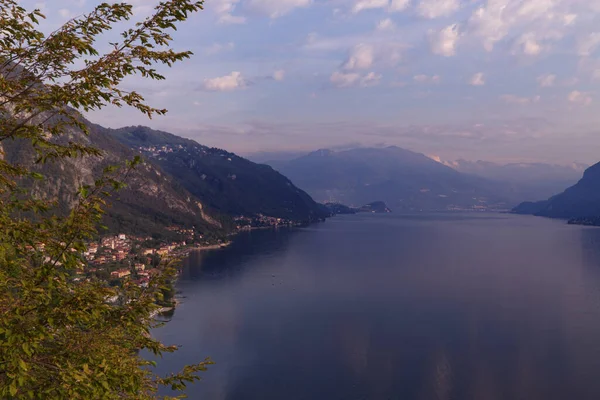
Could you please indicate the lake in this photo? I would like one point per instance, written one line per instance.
(446, 306)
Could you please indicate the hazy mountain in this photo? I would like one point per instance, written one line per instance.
(403, 179)
(579, 201)
(529, 181)
(221, 180)
(266, 157)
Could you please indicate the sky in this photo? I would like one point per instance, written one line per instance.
(497, 80)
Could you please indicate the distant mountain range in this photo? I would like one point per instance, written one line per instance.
(528, 181)
(403, 179)
(580, 202)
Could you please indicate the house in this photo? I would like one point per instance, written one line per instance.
(120, 273)
(140, 266)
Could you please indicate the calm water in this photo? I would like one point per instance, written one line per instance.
(475, 306)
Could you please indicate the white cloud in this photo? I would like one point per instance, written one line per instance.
(361, 56)
(588, 44)
(66, 13)
(399, 5)
(232, 19)
(569, 19)
(386, 25)
(279, 75)
(477, 80)
(512, 99)
(349, 79)
(427, 79)
(528, 45)
(581, 98)
(361, 5)
(371, 79)
(225, 83)
(220, 47)
(224, 10)
(546, 80)
(533, 21)
(437, 8)
(444, 41)
(344, 79)
(277, 8)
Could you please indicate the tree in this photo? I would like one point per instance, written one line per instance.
(62, 339)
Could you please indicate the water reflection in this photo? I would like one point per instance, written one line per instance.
(369, 308)
(227, 262)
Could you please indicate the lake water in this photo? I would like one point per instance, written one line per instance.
(448, 306)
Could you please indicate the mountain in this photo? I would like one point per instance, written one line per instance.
(222, 181)
(403, 179)
(528, 181)
(150, 202)
(580, 201)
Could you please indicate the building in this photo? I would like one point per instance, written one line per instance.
(120, 273)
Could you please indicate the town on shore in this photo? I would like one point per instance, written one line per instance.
(124, 257)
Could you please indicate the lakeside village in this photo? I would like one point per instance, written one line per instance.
(115, 259)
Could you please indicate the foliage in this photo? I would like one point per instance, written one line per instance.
(62, 339)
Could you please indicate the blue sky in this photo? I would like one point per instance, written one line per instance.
(501, 80)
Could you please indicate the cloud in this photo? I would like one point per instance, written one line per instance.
(361, 56)
(226, 83)
(361, 5)
(66, 13)
(344, 79)
(437, 8)
(220, 47)
(512, 99)
(588, 44)
(398, 5)
(379, 52)
(546, 80)
(427, 79)
(528, 45)
(532, 21)
(371, 79)
(477, 80)
(277, 8)
(224, 10)
(350, 79)
(386, 25)
(279, 75)
(389, 6)
(581, 98)
(443, 42)
(532, 44)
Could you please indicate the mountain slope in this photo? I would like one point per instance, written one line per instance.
(579, 201)
(401, 178)
(150, 202)
(222, 180)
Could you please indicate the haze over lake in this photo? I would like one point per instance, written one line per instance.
(440, 306)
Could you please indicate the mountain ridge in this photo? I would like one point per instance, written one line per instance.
(580, 201)
(404, 179)
(222, 180)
